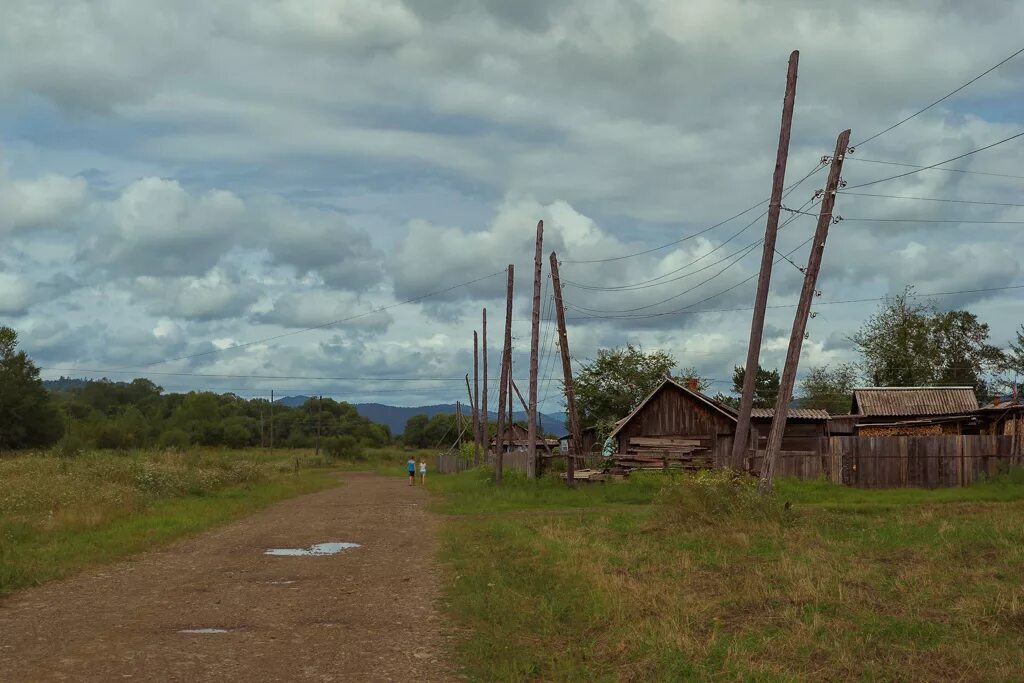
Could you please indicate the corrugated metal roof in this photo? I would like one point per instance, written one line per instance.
(793, 414)
(906, 401)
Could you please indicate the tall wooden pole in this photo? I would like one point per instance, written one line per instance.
(739, 444)
(474, 400)
(803, 310)
(570, 392)
(271, 422)
(476, 433)
(538, 268)
(319, 412)
(506, 369)
(485, 434)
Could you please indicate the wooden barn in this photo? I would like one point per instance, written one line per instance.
(915, 411)
(589, 445)
(517, 438)
(678, 423)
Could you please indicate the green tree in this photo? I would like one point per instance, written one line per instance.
(1013, 358)
(766, 386)
(28, 416)
(829, 389)
(910, 343)
(613, 384)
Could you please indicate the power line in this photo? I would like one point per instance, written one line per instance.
(928, 199)
(817, 168)
(930, 220)
(320, 326)
(950, 170)
(818, 303)
(925, 168)
(944, 97)
(746, 250)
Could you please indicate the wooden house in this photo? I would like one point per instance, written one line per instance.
(678, 423)
(517, 438)
(915, 411)
(589, 445)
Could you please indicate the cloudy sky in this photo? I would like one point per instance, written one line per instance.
(178, 180)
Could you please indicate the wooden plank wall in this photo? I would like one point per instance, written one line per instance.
(450, 464)
(921, 461)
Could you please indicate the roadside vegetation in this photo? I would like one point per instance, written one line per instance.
(697, 578)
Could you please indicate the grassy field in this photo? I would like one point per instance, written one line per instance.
(60, 515)
(701, 580)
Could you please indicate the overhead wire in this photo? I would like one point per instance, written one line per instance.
(928, 199)
(931, 166)
(941, 99)
(949, 170)
(745, 251)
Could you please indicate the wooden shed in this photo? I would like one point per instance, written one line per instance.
(517, 438)
(915, 411)
(679, 423)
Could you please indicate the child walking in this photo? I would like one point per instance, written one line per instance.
(411, 466)
(423, 471)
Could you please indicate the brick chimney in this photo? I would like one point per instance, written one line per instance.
(693, 384)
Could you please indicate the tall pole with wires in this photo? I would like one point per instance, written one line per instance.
(803, 310)
(271, 422)
(474, 398)
(739, 446)
(570, 393)
(482, 403)
(506, 370)
(531, 429)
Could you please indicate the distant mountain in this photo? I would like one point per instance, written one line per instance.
(395, 417)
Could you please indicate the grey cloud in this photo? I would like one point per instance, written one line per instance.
(316, 307)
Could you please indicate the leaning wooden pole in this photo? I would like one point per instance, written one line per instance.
(485, 434)
(803, 310)
(739, 444)
(522, 402)
(506, 369)
(531, 429)
(474, 398)
(570, 393)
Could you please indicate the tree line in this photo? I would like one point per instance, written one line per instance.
(138, 414)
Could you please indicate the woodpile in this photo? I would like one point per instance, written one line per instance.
(665, 452)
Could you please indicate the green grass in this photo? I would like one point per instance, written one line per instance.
(703, 581)
(60, 516)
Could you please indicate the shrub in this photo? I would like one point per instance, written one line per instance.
(236, 436)
(344, 447)
(714, 497)
(71, 445)
(175, 440)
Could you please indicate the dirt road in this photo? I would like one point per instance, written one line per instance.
(364, 614)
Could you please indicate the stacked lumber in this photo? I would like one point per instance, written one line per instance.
(665, 452)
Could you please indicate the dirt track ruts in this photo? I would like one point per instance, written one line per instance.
(365, 614)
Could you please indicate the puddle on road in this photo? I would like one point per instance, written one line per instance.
(318, 549)
(203, 630)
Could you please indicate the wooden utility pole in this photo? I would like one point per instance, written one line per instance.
(319, 412)
(458, 423)
(476, 422)
(481, 404)
(570, 392)
(531, 414)
(803, 310)
(271, 422)
(522, 402)
(739, 444)
(474, 400)
(506, 371)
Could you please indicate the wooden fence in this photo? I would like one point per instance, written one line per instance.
(861, 462)
(922, 461)
(450, 464)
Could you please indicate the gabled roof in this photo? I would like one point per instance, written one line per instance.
(912, 401)
(725, 411)
(713, 405)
